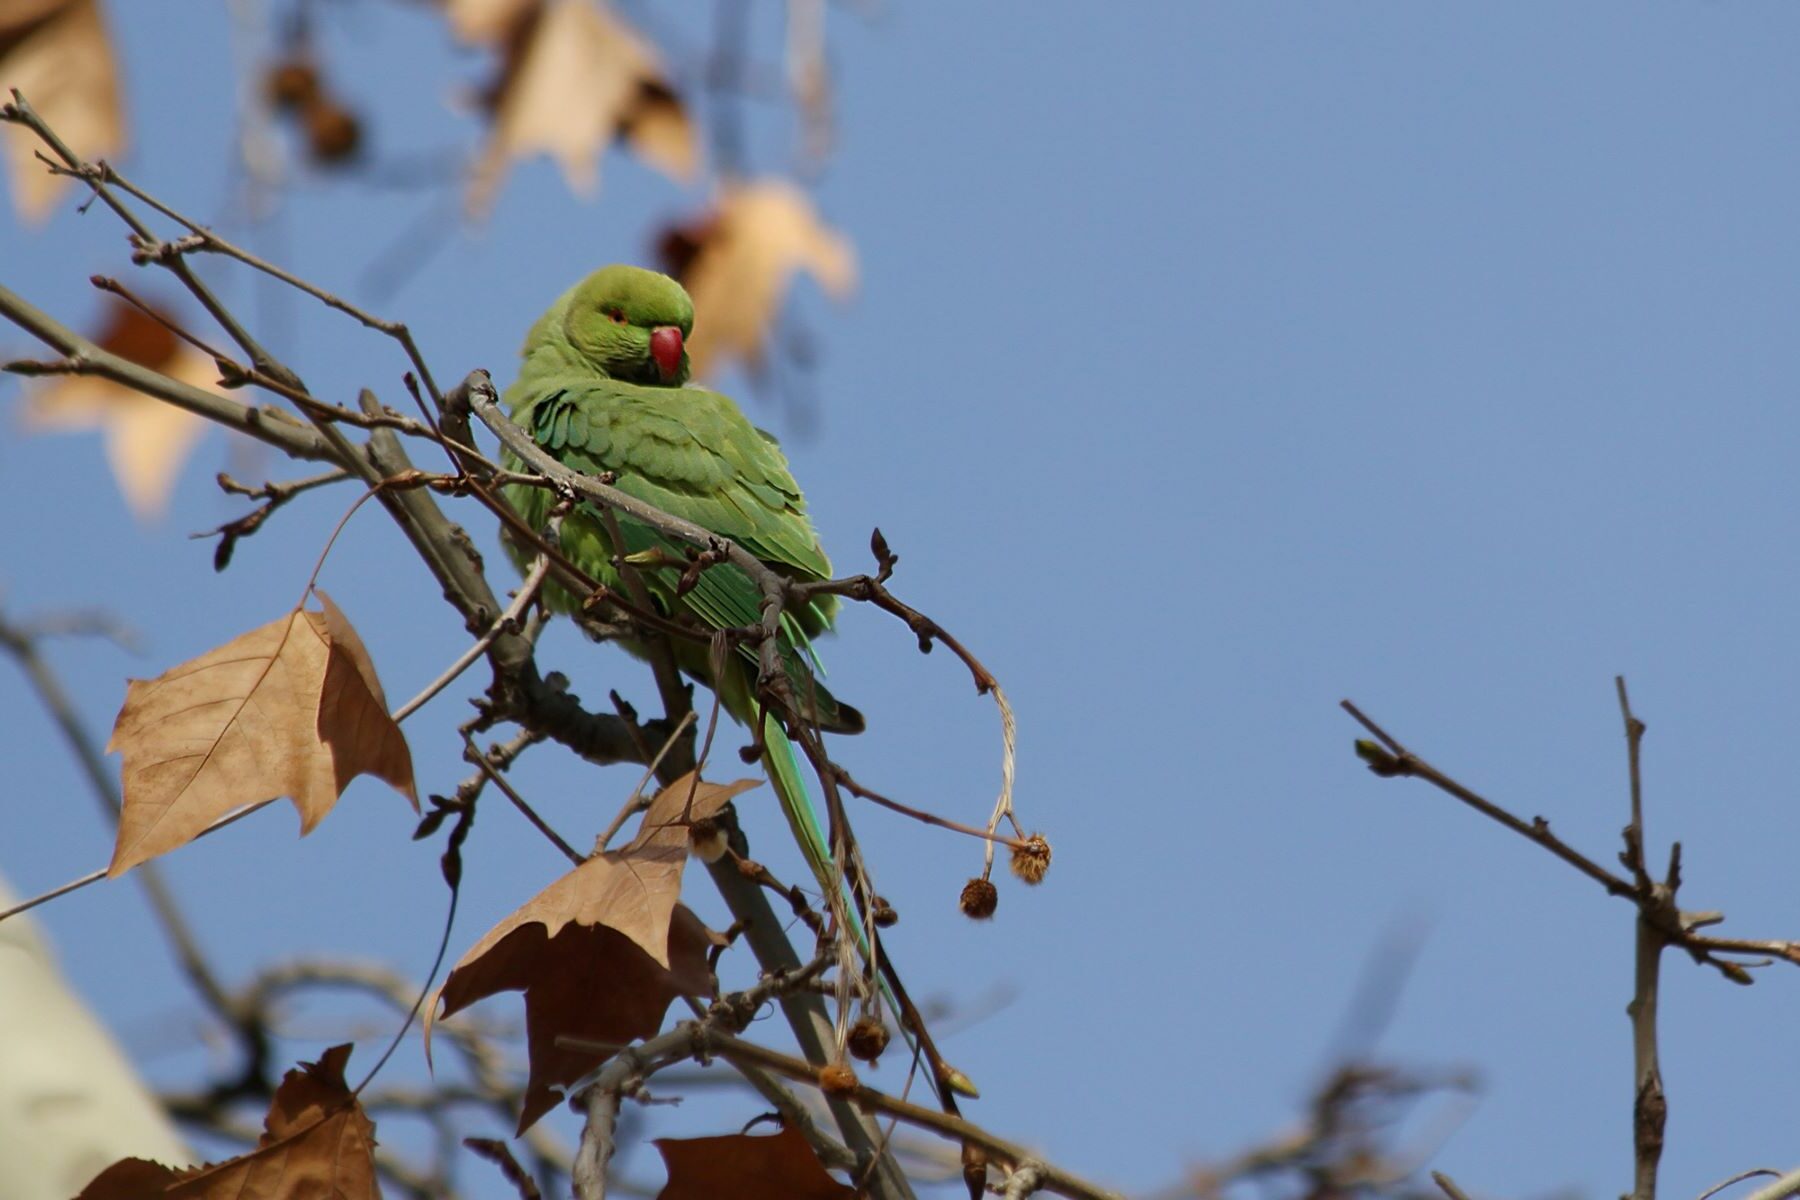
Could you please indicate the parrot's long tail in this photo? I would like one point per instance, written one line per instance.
(789, 780)
(787, 775)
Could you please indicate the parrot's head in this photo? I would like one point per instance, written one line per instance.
(633, 324)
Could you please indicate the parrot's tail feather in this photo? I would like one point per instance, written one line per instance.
(784, 771)
(788, 778)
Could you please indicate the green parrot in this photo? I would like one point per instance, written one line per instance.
(603, 388)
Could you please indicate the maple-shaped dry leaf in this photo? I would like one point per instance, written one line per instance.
(289, 709)
(585, 981)
(353, 712)
(317, 1144)
(738, 261)
(748, 1167)
(147, 440)
(574, 77)
(601, 952)
(59, 57)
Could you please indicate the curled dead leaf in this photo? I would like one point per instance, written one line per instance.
(147, 440)
(316, 1141)
(58, 55)
(602, 951)
(573, 77)
(584, 981)
(291, 709)
(748, 1166)
(737, 263)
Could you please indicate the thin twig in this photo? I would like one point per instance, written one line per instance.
(1055, 1179)
(928, 818)
(1537, 830)
(105, 787)
(204, 239)
(1782, 1188)
(505, 622)
(1720, 1186)
(709, 1036)
(96, 176)
(1655, 902)
(1650, 1106)
(474, 755)
(271, 425)
(1448, 1185)
(498, 1153)
(273, 496)
(97, 876)
(793, 1113)
(637, 802)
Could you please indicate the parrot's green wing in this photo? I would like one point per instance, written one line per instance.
(692, 454)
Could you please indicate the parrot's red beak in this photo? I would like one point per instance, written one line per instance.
(665, 348)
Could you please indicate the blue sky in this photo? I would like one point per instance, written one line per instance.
(1211, 363)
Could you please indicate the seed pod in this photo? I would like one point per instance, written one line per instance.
(333, 132)
(292, 83)
(979, 899)
(868, 1038)
(706, 841)
(1031, 860)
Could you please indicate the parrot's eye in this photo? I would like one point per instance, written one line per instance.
(617, 315)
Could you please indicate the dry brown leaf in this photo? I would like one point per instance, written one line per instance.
(600, 953)
(490, 21)
(353, 713)
(284, 710)
(671, 811)
(588, 982)
(631, 890)
(317, 1143)
(738, 261)
(747, 1166)
(58, 55)
(147, 440)
(574, 77)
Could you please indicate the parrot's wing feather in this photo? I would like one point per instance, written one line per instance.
(689, 452)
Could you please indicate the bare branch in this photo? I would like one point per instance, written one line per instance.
(83, 357)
